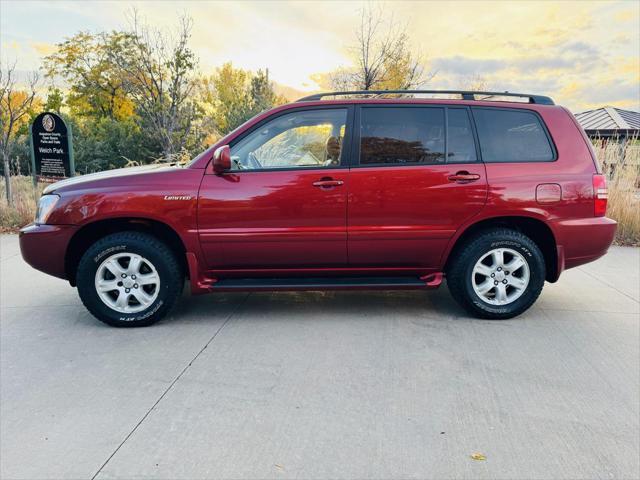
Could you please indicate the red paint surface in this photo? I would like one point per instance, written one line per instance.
(379, 221)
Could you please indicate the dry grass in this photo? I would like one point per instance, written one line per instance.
(620, 163)
(24, 203)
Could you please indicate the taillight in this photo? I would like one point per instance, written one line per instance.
(600, 195)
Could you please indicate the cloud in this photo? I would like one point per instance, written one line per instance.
(461, 65)
(43, 48)
(581, 48)
(627, 15)
(577, 52)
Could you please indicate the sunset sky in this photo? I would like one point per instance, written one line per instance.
(583, 54)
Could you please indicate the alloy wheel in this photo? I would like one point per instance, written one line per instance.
(127, 282)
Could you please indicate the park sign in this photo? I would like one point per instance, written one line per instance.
(51, 148)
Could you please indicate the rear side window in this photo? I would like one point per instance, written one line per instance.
(461, 146)
(397, 135)
(511, 136)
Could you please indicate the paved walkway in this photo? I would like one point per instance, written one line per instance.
(323, 385)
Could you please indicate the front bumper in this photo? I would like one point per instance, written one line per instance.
(44, 247)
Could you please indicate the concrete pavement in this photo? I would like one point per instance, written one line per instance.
(323, 385)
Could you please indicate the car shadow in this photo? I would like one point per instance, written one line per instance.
(323, 305)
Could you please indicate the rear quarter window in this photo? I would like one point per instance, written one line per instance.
(512, 136)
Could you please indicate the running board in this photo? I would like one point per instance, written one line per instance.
(327, 283)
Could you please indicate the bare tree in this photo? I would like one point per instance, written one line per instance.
(15, 105)
(382, 57)
(157, 71)
(476, 83)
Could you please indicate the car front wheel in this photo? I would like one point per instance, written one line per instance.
(129, 279)
(498, 274)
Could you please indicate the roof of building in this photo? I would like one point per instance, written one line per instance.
(609, 118)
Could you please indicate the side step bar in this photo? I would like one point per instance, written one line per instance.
(326, 283)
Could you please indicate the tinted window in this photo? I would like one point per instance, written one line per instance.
(461, 147)
(304, 139)
(395, 135)
(511, 136)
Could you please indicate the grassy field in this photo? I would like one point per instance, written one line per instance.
(622, 166)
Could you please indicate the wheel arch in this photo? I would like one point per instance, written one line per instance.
(91, 232)
(533, 227)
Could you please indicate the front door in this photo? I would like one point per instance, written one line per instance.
(284, 204)
(417, 180)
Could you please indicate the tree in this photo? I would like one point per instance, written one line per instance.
(136, 85)
(382, 58)
(55, 99)
(84, 61)
(476, 83)
(235, 95)
(15, 111)
(226, 93)
(261, 92)
(157, 71)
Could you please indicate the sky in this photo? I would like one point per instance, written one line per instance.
(583, 54)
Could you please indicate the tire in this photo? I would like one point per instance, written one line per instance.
(122, 302)
(475, 264)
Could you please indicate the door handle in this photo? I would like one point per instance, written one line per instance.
(327, 183)
(464, 177)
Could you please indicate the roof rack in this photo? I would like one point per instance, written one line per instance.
(466, 95)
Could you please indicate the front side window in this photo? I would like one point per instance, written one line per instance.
(402, 135)
(306, 139)
(511, 136)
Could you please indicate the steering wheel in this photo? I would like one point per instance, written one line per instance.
(253, 162)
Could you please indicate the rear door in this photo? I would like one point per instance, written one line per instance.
(417, 178)
(284, 204)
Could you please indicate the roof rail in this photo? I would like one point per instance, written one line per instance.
(466, 95)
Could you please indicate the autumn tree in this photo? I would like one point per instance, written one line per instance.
(55, 99)
(382, 57)
(262, 94)
(157, 70)
(130, 94)
(106, 128)
(84, 62)
(225, 93)
(234, 95)
(15, 112)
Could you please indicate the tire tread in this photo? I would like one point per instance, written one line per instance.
(456, 272)
(148, 241)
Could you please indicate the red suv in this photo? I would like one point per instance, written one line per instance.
(497, 192)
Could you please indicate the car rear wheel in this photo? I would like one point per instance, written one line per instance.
(498, 274)
(129, 279)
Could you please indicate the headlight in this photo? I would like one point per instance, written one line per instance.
(45, 207)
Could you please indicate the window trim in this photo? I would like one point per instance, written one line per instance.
(346, 143)
(545, 129)
(355, 153)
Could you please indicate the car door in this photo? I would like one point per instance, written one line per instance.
(416, 180)
(284, 203)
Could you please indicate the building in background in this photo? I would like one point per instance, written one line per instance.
(610, 123)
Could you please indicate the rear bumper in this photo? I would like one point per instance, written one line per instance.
(44, 247)
(583, 240)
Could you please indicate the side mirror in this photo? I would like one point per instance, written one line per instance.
(222, 159)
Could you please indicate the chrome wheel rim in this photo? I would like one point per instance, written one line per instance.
(127, 282)
(500, 276)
